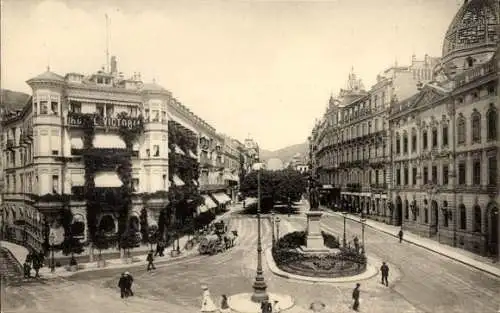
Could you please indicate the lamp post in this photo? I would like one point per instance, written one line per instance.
(343, 239)
(259, 285)
(277, 228)
(52, 240)
(273, 223)
(363, 234)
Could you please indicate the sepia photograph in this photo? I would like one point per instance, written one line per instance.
(249, 156)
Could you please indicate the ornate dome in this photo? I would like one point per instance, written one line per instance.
(47, 76)
(476, 25)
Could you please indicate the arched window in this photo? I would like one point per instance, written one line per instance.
(407, 210)
(477, 219)
(469, 62)
(405, 142)
(492, 119)
(446, 213)
(413, 140)
(461, 130)
(424, 139)
(476, 126)
(463, 217)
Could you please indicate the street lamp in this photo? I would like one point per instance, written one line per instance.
(52, 241)
(273, 222)
(363, 234)
(259, 285)
(277, 228)
(343, 239)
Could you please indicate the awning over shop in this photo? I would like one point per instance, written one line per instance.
(108, 140)
(209, 203)
(107, 179)
(202, 209)
(179, 150)
(177, 181)
(76, 143)
(220, 197)
(77, 180)
(250, 201)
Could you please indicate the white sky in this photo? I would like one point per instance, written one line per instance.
(264, 68)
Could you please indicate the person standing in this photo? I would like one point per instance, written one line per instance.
(276, 307)
(129, 280)
(400, 235)
(355, 297)
(150, 260)
(224, 306)
(384, 269)
(122, 284)
(207, 304)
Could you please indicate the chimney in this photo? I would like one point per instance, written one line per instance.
(114, 68)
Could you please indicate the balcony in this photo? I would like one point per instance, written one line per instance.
(212, 187)
(378, 186)
(353, 187)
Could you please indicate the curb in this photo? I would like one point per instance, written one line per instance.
(427, 248)
(370, 272)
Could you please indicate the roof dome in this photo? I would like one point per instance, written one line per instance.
(475, 25)
(153, 87)
(48, 76)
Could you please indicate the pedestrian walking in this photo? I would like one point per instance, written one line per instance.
(27, 268)
(224, 306)
(129, 280)
(355, 297)
(150, 260)
(122, 284)
(356, 243)
(384, 269)
(207, 304)
(400, 235)
(37, 261)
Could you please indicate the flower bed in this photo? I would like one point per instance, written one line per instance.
(291, 259)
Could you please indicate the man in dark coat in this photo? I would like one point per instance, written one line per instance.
(129, 280)
(400, 235)
(122, 284)
(384, 269)
(355, 297)
(150, 260)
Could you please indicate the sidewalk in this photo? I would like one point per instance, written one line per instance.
(20, 253)
(468, 258)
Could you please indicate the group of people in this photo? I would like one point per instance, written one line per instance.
(267, 307)
(34, 260)
(208, 305)
(125, 285)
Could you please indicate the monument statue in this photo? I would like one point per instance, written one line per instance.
(314, 199)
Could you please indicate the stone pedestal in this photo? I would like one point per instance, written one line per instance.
(314, 239)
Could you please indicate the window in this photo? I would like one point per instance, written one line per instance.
(476, 173)
(398, 144)
(109, 110)
(414, 176)
(463, 217)
(55, 184)
(426, 215)
(99, 108)
(446, 213)
(44, 107)
(445, 174)
(55, 152)
(461, 173)
(445, 135)
(424, 140)
(164, 178)
(398, 177)
(476, 127)
(434, 174)
(492, 118)
(477, 218)
(406, 177)
(426, 175)
(146, 114)
(148, 154)
(155, 115)
(413, 140)
(461, 130)
(156, 150)
(54, 107)
(75, 107)
(434, 138)
(164, 116)
(135, 184)
(492, 170)
(405, 143)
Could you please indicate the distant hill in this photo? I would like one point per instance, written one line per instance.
(12, 100)
(284, 154)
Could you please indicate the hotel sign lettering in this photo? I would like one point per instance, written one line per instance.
(107, 122)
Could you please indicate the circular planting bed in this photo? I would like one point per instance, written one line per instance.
(290, 258)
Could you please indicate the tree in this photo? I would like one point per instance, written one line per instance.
(129, 240)
(276, 186)
(70, 245)
(144, 226)
(101, 242)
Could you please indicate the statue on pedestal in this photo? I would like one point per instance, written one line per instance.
(314, 199)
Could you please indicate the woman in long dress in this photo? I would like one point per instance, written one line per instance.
(207, 304)
(224, 306)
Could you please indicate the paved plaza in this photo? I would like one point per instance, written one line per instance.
(420, 281)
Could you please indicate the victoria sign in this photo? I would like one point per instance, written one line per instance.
(77, 120)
